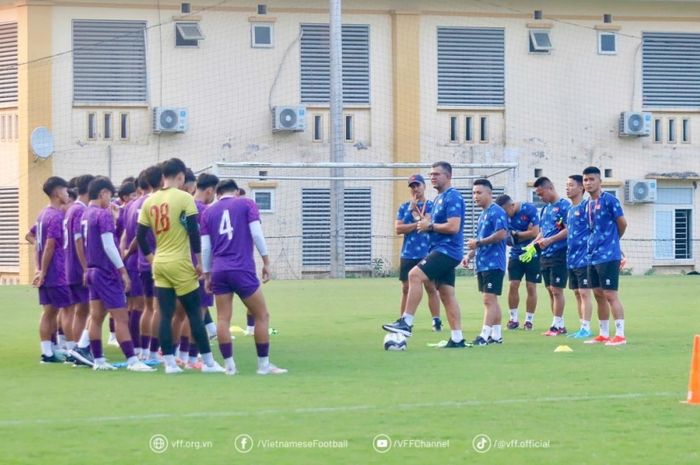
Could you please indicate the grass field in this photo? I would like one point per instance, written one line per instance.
(595, 405)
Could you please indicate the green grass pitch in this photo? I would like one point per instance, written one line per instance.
(595, 405)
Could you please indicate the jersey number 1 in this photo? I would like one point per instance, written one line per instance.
(162, 218)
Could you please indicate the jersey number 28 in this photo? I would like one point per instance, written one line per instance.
(161, 216)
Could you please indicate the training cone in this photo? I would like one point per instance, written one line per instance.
(694, 381)
(563, 348)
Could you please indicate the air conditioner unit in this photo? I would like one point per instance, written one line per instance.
(640, 191)
(288, 119)
(635, 123)
(168, 119)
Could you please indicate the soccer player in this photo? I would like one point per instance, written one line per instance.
(552, 243)
(172, 215)
(524, 226)
(607, 223)
(50, 275)
(489, 247)
(416, 245)
(203, 197)
(577, 253)
(446, 228)
(230, 228)
(104, 269)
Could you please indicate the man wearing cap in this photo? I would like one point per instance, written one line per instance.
(416, 245)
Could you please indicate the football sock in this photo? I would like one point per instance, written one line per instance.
(514, 314)
(620, 328)
(457, 335)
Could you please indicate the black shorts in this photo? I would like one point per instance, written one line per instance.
(490, 282)
(578, 278)
(554, 275)
(518, 269)
(439, 268)
(605, 275)
(407, 265)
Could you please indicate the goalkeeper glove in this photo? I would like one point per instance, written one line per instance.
(529, 253)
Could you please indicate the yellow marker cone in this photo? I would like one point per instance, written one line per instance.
(236, 329)
(563, 348)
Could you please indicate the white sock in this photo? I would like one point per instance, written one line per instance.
(137, 351)
(131, 360)
(154, 356)
(485, 332)
(47, 348)
(208, 359)
(61, 340)
(169, 360)
(211, 328)
(263, 362)
(70, 345)
(514, 314)
(585, 324)
(530, 317)
(250, 329)
(457, 335)
(100, 361)
(112, 335)
(408, 318)
(496, 332)
(84, 341)
(230, 364)
(558, 322)
(604, 328)
(620, 328)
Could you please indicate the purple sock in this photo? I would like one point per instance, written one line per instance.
(226, 349)
(127, 348)
(96, 348)
(193, 351)
(154, 344)
(111, 324)
(250, 319)
(184, 344)
(54, 339)
(145, 341)
(263, 349)
(135, 325)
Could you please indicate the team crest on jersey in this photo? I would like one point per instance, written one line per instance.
(577, 213)
(523, 217)
(555, 209)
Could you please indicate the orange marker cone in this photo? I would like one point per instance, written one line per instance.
(694, 382)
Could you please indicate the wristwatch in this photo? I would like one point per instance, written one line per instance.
(430, 226)
(478, 243)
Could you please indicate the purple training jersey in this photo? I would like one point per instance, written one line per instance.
(72, 229)
(97, 221)
(49, 225)
(131, 223)
(227, 222)
(142, 263)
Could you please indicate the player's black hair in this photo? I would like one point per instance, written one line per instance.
(503, 200)
(126, 189)
(173, 167)
(52, 183)
(82, 183)
(72, 182)
(241, 191)
(189, 176)
(483, 182)
(142, 182)
(97, 184)
(543, 181)
(591, 170)
(577, 178)
(444, 165)
(226, 186)
(154, 176)
(73, 193)
(206, 180)
(129, 179)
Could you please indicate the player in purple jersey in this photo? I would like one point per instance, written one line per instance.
(104, 270)
(230, 228)
(50, 275)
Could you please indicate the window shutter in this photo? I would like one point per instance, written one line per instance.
(9, 228)
(109, 61)
(8, 63)
(471, 66)
(670, 69)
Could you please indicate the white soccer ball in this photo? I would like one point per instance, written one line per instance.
(395, 341)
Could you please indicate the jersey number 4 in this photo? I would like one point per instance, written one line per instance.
(225, 227)
(161, 215)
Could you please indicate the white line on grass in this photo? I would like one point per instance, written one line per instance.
(339, 409)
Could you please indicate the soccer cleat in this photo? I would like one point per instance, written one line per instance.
(554, 331)
(399, 326)
(69, 360)
(480, 341)
(103, 366)
(83, 355)
(617, 341)
(140, 366)
(214, 368)
(50, 359)
(597, 340)
(456, 345)
(437, 324)
(581, 334)
(112, 340)
(230, 371)
(270, 369)
(193, 366)
(248, 333)
(512, 324)
(495, 341)
(172, 369)
(528, 326)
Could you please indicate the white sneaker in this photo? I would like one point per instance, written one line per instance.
(215, 368)
(103, 366)
(271, 370)
(230, 371)
(172, 370)
(113, 340)
(139, 366)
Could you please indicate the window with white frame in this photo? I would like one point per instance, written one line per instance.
(673, 223)
(349, 133)
(671, 131)
(669, 69)
(265, 200)
(658, 131)
(124, 126)
(540, 41)
(483, 129)
(607, 43)
(109, 61)
(318, 128)
(92, 126)
(187, 34)
(261, 35)
(685, 130)
(107, 128)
